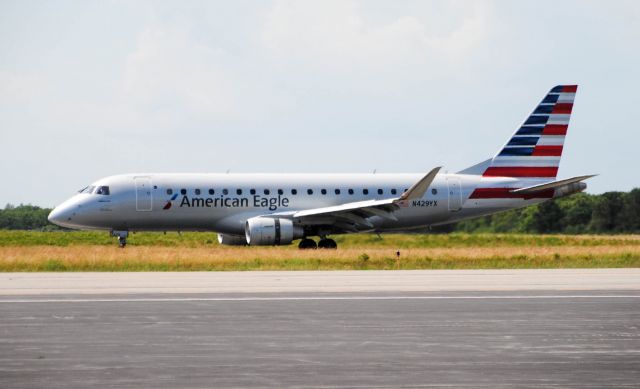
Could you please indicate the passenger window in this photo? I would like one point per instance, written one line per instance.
(323, 191)
(393, 191)
(225, 191)
(280, 192)
(211, 191)
(350, 191)
(294, 192)
(197, 191)
(267, 191)
(337, 191)
(310, 191)
(365, 191)
(406, 189)
(434, 191)
(169, 191)
(183, 191)
(380, 191)
(252, 191)
(238, 192)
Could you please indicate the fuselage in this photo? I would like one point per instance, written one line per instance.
(223, 202)
(264, 209)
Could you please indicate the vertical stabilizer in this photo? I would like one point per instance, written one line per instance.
(535, 148)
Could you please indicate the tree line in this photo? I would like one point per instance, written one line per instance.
(582, 213)
(611, 212)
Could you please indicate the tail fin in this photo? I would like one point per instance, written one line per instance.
(535, 149)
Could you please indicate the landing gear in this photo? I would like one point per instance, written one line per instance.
(122, 237)
(306, 244)
(327, 243)
(324, 243)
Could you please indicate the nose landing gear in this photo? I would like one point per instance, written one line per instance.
(122, 237)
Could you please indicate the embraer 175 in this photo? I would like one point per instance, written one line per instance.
(276, 209)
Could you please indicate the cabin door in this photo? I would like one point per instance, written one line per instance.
(144, 197)
(455, 195)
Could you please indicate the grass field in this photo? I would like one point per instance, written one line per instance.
(97, 251)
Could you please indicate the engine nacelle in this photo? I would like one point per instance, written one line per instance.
(232, 240)
(569, 189)
(267, 231)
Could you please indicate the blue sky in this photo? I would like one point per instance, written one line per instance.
(91, 89)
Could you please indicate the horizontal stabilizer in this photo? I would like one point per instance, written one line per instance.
(551, 185)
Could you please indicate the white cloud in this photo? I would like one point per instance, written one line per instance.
(170, 71)
(338, 33)
(174, 76)
(16, 87)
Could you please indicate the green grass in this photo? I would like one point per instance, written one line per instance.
(209, 239)
(102, 238)
(97, 251)
(297, 264)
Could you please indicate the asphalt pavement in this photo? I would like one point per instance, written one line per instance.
(542, 338)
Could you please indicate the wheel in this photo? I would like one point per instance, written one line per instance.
(122, 241)
(327, 244)
(306, 244)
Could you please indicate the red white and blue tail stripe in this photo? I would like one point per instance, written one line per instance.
(535, 149)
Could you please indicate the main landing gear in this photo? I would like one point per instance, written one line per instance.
(327, 243)
(122, 237)
(324, 243)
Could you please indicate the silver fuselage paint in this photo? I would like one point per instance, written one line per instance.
(139, 202)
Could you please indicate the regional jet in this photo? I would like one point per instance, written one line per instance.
(277, 209)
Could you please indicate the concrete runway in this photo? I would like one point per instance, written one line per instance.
(319, 281)
(547, 337)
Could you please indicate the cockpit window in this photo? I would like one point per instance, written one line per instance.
(87, 189)
(103, 190)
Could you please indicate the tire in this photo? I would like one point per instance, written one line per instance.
(327, 244)
(307, 244)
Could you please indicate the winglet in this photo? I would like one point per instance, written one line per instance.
(419, 188)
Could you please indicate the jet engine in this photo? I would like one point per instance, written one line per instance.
(267, 231)
(232, 240)
(569, 189)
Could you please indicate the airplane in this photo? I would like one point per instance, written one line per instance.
(276, 209)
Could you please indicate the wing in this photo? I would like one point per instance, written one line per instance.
(353, 217)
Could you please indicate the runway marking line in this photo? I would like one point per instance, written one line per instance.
(310, 298)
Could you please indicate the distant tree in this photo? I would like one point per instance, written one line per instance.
(629, 218)
(506, 221)
(546, 218)
(577, 211)
(480, 224)
(24, 217)
(606, 212)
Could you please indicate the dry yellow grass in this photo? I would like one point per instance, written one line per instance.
(139, 258)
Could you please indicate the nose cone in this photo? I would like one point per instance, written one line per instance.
(64, 214)
(60, 215)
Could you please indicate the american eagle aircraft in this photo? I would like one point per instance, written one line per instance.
(276, 209)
